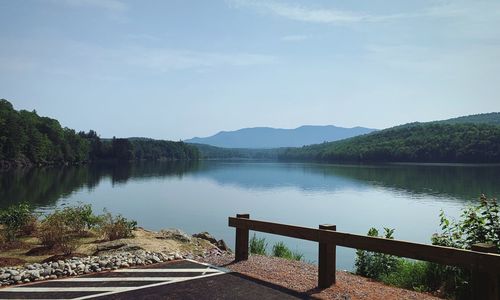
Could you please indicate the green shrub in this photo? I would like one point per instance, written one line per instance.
(372, 264)
(53, 233)
(477, 224)
(79, 219)
(116, 227)
(258, 245)
(14, 218)
(281, 250)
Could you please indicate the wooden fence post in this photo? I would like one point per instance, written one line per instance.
(241, 248)
(485, 285)
(326, 261)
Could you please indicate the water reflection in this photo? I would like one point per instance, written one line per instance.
(44, 186)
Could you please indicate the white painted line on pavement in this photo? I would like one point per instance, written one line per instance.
(165, 270)
(110, 279)
(66, 289)
(149, 286)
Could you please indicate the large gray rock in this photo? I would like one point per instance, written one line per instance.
(174, 234)
(208, 237)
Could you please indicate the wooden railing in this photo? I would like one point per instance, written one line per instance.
(484, 264)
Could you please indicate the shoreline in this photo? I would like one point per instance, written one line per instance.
(34, 263)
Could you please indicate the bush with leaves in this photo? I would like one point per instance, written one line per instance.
(14, 219)
(374, 264)
(54, 233)
(116, 227)
(79, 219)
(477, 224)
(258, 245)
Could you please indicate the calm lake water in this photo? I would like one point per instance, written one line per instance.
(200, 196)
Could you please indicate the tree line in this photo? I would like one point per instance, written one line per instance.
(416, 142)
(27, 138)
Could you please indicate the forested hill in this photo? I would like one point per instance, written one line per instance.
(418, 142)
(212, 152)
(266, 137)
(27, 138)
(487, 118)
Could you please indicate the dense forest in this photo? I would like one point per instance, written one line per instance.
(213, 152)
(487, 118)
(27, 138)
(417, 142)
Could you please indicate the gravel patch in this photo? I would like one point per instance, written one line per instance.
(303, 278)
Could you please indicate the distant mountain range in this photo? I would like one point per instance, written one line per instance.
(267, 137)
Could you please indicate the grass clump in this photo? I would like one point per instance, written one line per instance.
(281, 250)
(409, 274)
(258, 245)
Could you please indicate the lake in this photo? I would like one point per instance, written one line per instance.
(199, 196)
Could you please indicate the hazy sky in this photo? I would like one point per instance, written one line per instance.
(178, 69)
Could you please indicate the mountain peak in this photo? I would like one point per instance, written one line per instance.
(268, 137)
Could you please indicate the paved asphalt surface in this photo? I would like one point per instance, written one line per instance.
(183, 279)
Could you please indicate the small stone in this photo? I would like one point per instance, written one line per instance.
(47, 271)
(35, 274)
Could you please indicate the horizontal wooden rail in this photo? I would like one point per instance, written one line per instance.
(437, 254)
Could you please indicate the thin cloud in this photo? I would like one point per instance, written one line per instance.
(331, 15)
(316, 15)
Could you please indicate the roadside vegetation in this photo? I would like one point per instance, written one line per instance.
(59, 232)
(280, 249)
(477, 224)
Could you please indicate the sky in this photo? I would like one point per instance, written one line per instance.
(176, 69)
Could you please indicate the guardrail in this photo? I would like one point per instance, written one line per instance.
(484, 264)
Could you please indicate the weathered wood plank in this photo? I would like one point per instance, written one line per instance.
(326, 261)
(242, 234)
